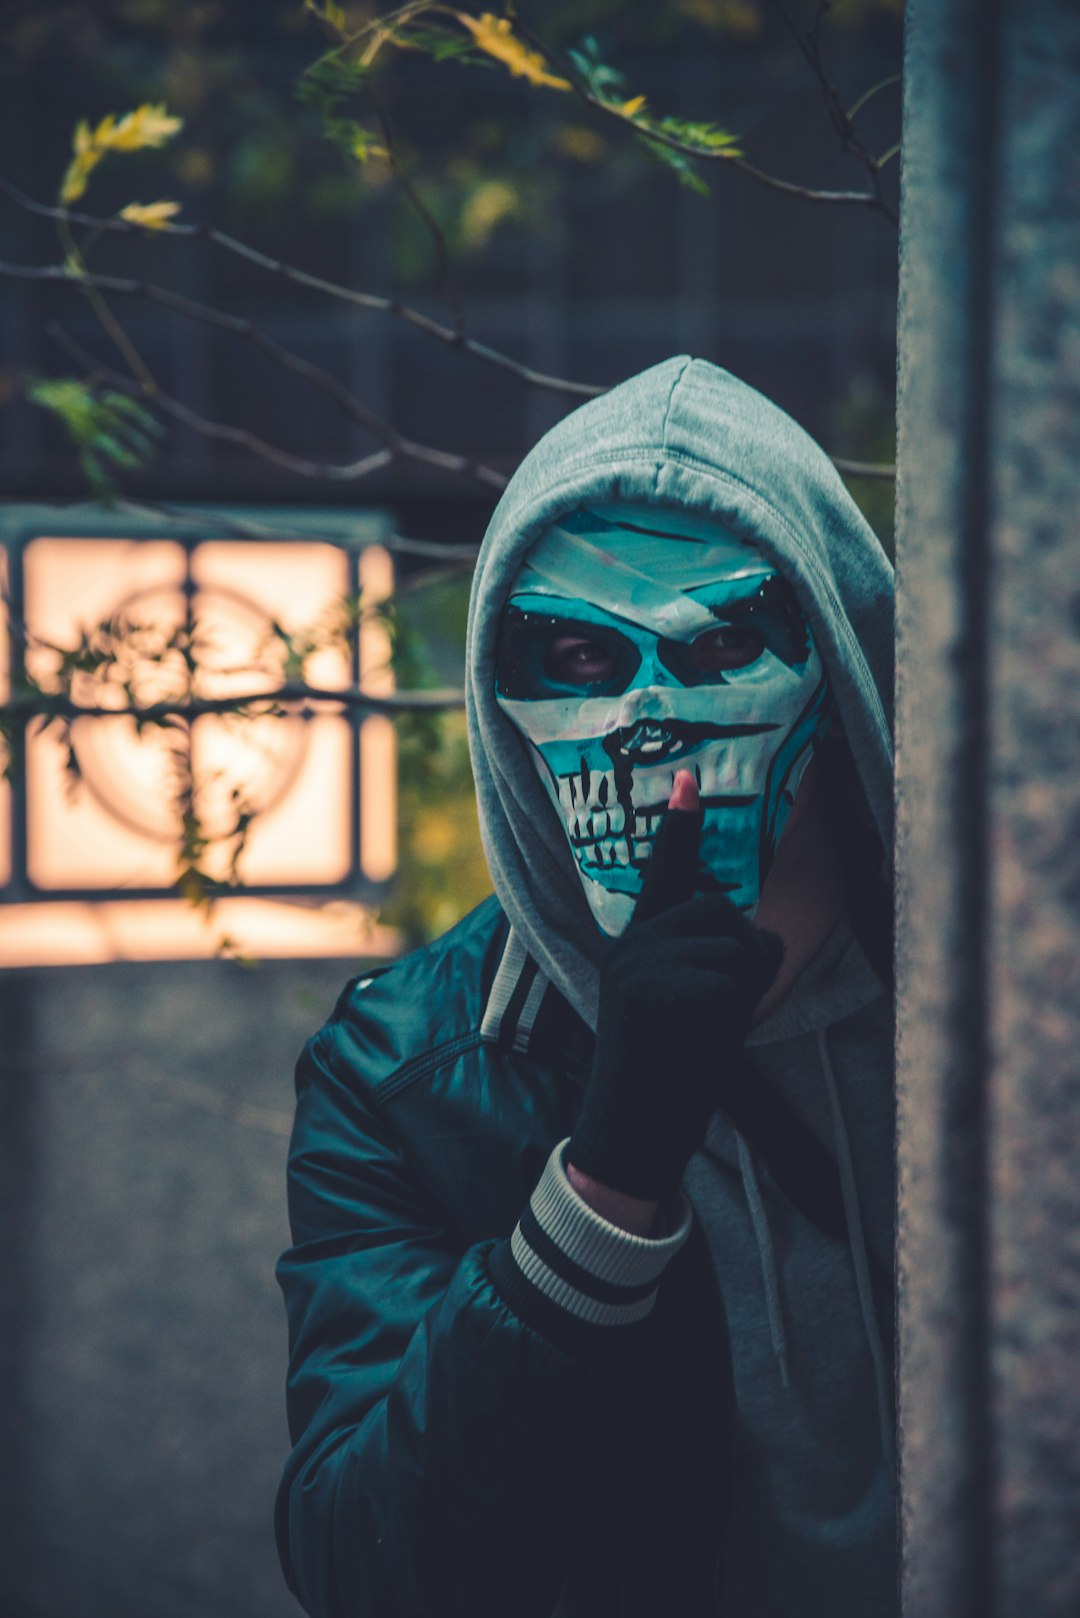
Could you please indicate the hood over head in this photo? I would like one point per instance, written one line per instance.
(686, 434)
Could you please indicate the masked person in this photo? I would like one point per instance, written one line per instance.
(589, 1297)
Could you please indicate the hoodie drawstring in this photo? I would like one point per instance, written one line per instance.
(857, 1243)
(767, 1255)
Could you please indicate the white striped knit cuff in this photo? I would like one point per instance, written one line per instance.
(582, 1262)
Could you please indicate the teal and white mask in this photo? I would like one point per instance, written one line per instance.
(638, 640)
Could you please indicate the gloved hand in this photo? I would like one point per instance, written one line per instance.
(678, 991)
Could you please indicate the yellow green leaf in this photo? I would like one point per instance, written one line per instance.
(492, 201)
(147, 126)
(631, 108)
(78, 172)
(154, 215)
(103, 133)
(494, 36)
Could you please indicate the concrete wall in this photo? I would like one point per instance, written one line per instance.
(988, 734)
(146, 1112)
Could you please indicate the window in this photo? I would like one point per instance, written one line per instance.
(194, 608)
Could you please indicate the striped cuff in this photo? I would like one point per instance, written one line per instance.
(582, 1264)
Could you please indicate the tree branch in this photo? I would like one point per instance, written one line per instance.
(329, 471)
(809, 47)
(441, 459)
(425, 216)
(285, 459)
(396, 443)
(611, 111)
(438, 239)
(246, 329)
(368, 301)
(243, 528)
(875, 89)
(862, 469)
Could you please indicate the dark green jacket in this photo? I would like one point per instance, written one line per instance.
(463, 1445)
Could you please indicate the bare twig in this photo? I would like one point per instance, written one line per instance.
(329, 471)
(863, 469)
(369, 301)
(405, 183)
(809, 47)
(612, 111)
(355, 470)
(244, 528)
(875, 89)
(238, 326)
(109, 322)
(361, 300)
(424, 214)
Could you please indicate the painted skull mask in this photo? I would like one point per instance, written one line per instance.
(637, 640)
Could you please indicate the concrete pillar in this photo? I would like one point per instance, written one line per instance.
(988, 735)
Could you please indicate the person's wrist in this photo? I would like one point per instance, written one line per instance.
(634, 1214)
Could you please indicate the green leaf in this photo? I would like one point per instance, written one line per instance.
(329, 80)
(352, 139)
(105, 427)
(325, 86)
(131, 407)
(113, 450)
(445, 47)
(707, 137)
(605, 81)
(683, 166)
(96, 475)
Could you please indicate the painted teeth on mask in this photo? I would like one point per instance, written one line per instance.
(602, 798)
(596, 821)
(611, 826)
(613, 851)
(603, 803)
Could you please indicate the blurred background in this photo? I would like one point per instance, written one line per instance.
(255, 464)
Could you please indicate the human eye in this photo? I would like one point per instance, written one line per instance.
(578, 660)
(729, 646)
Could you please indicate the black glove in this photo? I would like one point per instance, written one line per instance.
(678, 993)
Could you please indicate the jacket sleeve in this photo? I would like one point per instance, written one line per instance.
(457, 1415)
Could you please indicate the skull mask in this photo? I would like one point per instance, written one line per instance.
(637, 640)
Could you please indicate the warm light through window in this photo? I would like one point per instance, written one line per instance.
(378, 743)
(322, 783)
(5, 688)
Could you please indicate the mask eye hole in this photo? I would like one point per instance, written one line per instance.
(577, 660)
(541, 656)
(729, 646)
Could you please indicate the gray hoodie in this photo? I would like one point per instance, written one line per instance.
(810, 1317)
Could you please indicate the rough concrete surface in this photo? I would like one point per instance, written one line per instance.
(988, 746)
(1035, 955)
(147, 1110)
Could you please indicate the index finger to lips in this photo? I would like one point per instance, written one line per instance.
(671, 874)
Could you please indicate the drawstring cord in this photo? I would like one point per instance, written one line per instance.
(857, 1243)
(767, 1255)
